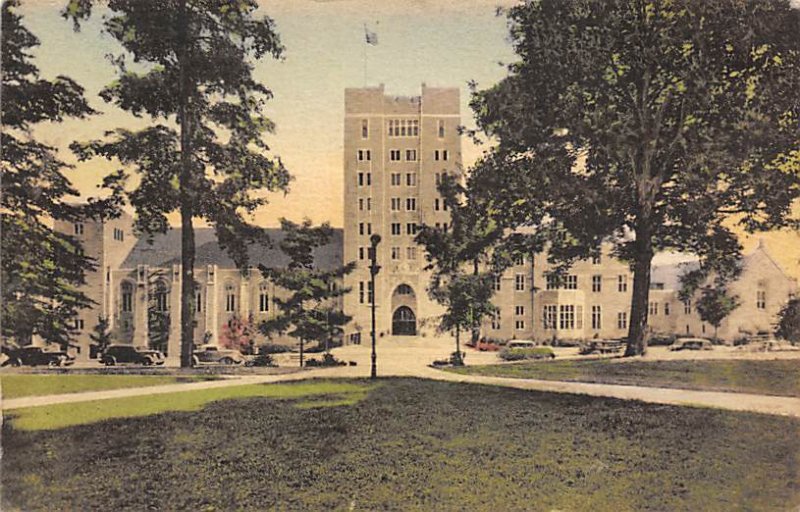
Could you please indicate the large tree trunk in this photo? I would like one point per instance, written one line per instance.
(643, 258)
(187, 203)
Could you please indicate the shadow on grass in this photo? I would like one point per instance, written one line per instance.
(308, 394)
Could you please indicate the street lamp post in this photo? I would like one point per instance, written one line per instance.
(373, 271)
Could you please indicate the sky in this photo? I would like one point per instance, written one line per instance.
(439, 42)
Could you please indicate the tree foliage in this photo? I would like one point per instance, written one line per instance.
(101, 334)
(310, 311)
(462, 264)
(714, 304)
(789, 321)
(190, 63)
(653, 124)
(42, 269)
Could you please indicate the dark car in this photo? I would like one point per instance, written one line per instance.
(35, 356)
(215, 354)
(116, 354)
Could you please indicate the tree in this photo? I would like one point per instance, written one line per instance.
(42, 270)
(650, 124)
(101, 334)
(192, 65)
(789, 321)
(463, 267)
(310, 312)
(714, 305)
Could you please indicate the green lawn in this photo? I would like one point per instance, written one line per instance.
(409, 445)
(776, 377)
(17, 386)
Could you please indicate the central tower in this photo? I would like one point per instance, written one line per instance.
(396, 150)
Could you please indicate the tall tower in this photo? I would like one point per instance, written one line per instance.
(396, 150)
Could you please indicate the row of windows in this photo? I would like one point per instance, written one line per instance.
(397, 202)
(397, 228)
(119, 234)
(161, 298)
(365, 292)
(396, 155)
(401, 128)
(519, 283)
(397, 252)
(570, 282)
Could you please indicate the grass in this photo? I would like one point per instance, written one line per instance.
(310, 394)
(777, 377)
(410, 445)
(18, 386)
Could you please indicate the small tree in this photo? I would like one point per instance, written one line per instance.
(459, 258)
(101, 334)
(310, 312)
(789, 321)
(714, 305)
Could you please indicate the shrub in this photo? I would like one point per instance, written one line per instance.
(789, 321)
(327, 360)
(457, 358)
(262, 359)
(661, 340)
(519, 354)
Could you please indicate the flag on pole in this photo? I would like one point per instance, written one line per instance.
(371, 37)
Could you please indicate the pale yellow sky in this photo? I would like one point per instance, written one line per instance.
(440, 42)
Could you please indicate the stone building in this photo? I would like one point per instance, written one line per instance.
(396, 151)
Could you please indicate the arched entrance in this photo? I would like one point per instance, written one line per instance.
(404, 322)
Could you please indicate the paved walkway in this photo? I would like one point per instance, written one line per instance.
(408, 358)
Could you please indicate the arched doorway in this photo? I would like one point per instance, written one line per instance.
(404, 322)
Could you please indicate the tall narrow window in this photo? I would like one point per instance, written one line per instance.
(597, 284)
(549, 316)
(441, 128)
(761, 299)
(263, 297)
(78, 229)
(370, 293)
(597, 318)
(127, 297)
(411, 204)
(395, 253)
(566, 316)
(161, 296)
(411, 155)
(687, 307)
(230, 298)
(497, 282)
(519, 282)
(652, 309)
(361, 292)
(364, 128)
(622, 320)
(666, 309)
(622, 283)
(198, 305)
(496, 320)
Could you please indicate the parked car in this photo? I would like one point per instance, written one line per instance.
(35, 356)
(521, 344)
(116, 354)
(215, 354)
(691, 344)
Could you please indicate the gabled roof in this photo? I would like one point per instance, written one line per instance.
(165, 250)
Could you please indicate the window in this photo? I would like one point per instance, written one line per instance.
(360, 204)
(687, 307)
(369, 228)
(622, 283)
(436, 155)
(411, 253)
(263, 297)
(230, 298)
(444, 204)
(127, 297)
(761, 299)
(394, 155)
(411, 204)
(552, 282)
(403, 127)
(411, 228)
(395, 206)
(161, 297)
(198, 305)
(396, 180)
(361, 228)
(79, 324)
(519, 259)
(436, 204)
(597, 284)
(361, 292)
(549, 316)
(441, 128)
(652, 308)
(364, 155)
(666, 309)
(444, 227)
(411, 155)
(404, 289)
(361, 179)
(597, 318)
(364, 128)
(395, 253)
(497, 281)
(370, 293)
(519, 282)
(566, 316)
(519, 325)
(622, 320)
(396, 228)
(361, 253)
(571, 282)
(119, 234)
(519, 310)
(444, 154)
(411, 179)
(596, 260)
(369, 203)
(496, 320)
(78, 229)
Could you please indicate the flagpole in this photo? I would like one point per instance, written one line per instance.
(365, 54)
